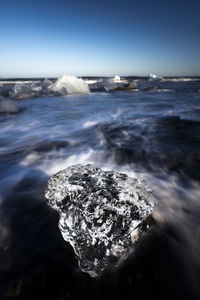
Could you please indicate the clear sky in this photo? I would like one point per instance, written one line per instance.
(104, 37)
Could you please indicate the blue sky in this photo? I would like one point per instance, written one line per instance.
(51, 38)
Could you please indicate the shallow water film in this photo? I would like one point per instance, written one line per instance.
(150, 133)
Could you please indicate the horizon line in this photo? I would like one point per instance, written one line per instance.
(97, 76)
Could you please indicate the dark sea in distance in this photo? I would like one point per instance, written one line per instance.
(151, 132)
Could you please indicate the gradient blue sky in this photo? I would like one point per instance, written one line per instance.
(105, 37)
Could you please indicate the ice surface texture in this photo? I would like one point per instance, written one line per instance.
(99, 211)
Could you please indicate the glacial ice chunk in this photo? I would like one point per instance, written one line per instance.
(114, 84)
(153, 77)
(68, 84)
(23, 91)
(117, 78)
(47, 82)
(101, 213)
(109, 84)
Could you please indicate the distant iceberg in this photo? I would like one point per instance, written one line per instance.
(68, 84)
(117, 78)
(113, 84)
(153, 77)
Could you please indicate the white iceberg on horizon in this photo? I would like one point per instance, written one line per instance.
(117, 78)
(153, 77)
(68, 84)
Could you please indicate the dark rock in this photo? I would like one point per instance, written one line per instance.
(14, 289)
(101, 213)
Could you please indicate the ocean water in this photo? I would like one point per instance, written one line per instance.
(153, 133)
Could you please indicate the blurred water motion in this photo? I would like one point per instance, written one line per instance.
(149, 135)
